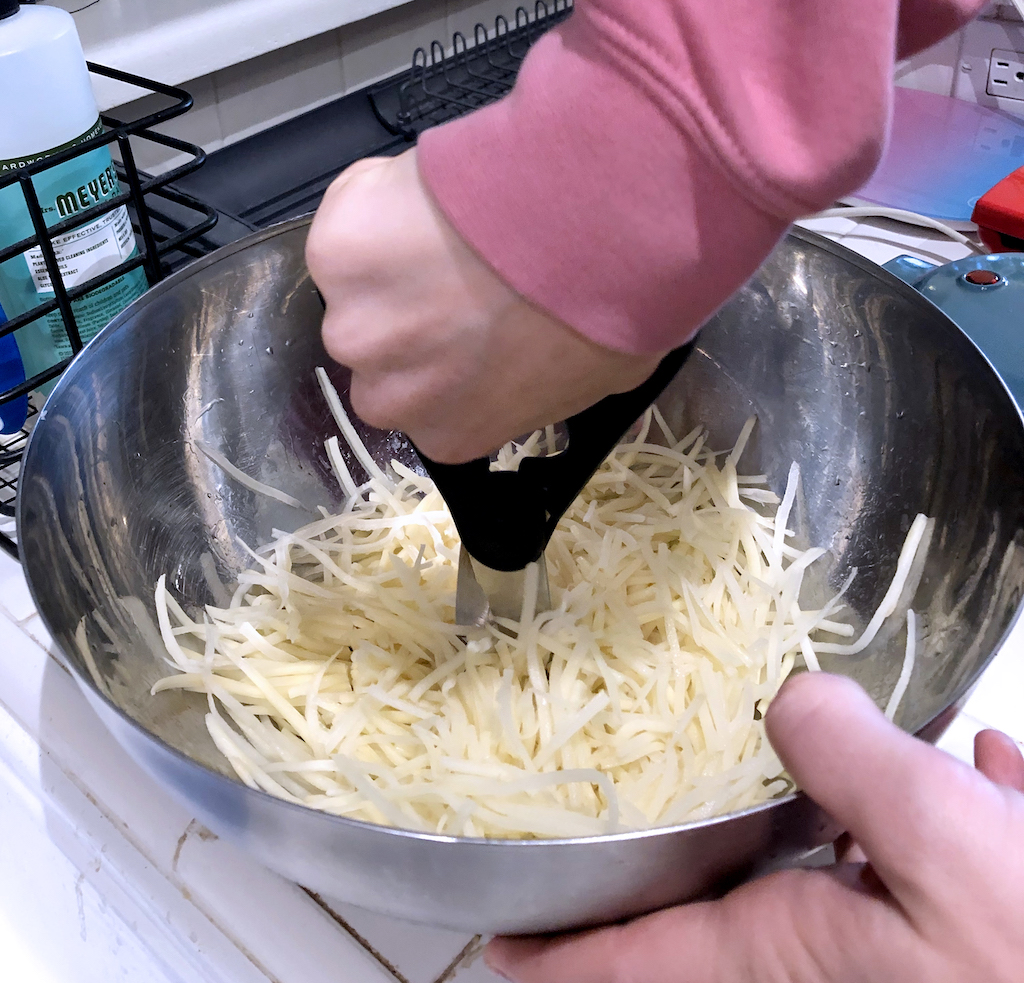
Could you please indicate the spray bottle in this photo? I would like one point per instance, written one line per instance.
(49, 107)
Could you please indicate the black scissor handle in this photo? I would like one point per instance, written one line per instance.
(505, 518)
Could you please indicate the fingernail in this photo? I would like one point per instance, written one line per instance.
(494, 964)
(494, 969)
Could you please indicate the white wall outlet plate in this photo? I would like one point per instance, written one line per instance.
(1006, 74)
(985, 44)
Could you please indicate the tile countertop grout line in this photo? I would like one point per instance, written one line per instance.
(150, 853)
(366, 944)
(96, 804)
(472, 949)
(124, 830)
(51, 651)
(139, 894)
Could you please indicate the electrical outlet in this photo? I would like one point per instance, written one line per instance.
(1006, 74)
(979, 42)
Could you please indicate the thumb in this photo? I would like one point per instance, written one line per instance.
(902, 800)
(998, 757)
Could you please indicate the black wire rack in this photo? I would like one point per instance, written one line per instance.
(443, 82)
(446, 83)
(165, 221)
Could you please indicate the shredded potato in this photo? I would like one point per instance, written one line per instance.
(336, 677)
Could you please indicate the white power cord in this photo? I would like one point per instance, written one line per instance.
(901, 215)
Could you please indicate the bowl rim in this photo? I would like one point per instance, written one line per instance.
(930, 730)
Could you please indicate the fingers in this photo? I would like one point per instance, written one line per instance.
(374, 220)
(901, 799)
(919, 816)
(587, 957)
(999, 759)
(792, 925)
(439, 345)
(651, 949)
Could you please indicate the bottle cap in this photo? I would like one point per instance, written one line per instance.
(8, 8)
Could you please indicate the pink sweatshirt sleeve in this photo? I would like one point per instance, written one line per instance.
(653, 152)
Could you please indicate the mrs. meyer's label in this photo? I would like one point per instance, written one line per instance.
(85, 252)
(82, 254)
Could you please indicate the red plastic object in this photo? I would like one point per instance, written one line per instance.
(999, 215)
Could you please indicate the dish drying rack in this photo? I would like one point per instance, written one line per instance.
(165, 221)
(443, 84)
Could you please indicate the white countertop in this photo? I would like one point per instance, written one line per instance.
(104, 877)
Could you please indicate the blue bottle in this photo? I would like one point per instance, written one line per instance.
(13, 412)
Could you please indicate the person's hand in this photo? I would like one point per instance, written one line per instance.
(438, 344)
(940, 898)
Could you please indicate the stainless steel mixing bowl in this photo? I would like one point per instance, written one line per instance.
(887, 406)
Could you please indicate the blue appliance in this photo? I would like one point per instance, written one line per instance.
(984, 295)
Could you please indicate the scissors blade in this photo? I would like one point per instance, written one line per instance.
(482, 593)
(471, 604)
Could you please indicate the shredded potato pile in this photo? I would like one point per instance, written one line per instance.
(336, 677)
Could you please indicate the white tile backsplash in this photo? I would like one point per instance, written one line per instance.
(279, 85)
(980, 37)
(235, 102)
(382, 45)
(177, 40)
(464, 15)
(200, 125)
(252, 95)
(932, 70)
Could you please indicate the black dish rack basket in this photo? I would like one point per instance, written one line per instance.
(443, 84)
(165, 221)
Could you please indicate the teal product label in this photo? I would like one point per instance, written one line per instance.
(82, 253)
